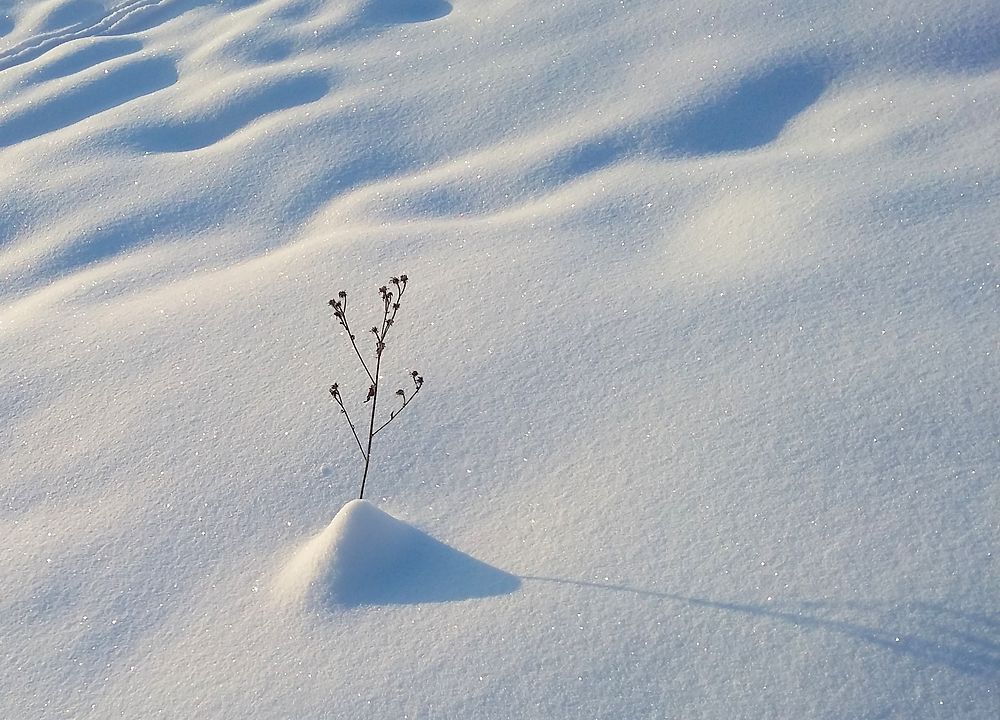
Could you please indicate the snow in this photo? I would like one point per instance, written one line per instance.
(367, 557)
(705, 296)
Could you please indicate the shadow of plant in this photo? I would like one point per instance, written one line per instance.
(926, 632)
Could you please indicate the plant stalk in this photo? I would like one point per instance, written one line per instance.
(371, 428)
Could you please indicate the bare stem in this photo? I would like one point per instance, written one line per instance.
(371, 428)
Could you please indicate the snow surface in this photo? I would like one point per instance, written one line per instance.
(705, 295)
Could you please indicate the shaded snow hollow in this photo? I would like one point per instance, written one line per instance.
(367, 557)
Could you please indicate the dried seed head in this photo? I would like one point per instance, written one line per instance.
(401, 393)
(342, 293)
(403, 278)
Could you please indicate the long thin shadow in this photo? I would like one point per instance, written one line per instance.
(85, 58)
(111, 90)
(967, 642)
(185, 134)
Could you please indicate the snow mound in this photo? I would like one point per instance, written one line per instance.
(367, 557)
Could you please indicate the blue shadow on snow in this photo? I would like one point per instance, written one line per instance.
(391, 12)
(748, 115)
(926, 632)
(753, 113)
(117, 87)
(426, 571)
(196, 133)
(87, 57)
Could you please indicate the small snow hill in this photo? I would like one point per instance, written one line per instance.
(367, 557)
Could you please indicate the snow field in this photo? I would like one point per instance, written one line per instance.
(705, 297)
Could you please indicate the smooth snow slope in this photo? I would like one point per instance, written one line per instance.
(706, 297)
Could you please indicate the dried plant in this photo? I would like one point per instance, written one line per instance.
(391, 297)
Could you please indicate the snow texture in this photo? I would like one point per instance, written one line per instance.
(707, 301)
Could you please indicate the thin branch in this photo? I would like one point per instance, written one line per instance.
(400, 288)
(340, 312)
(336, 396)
(343, 321)
(395, 414)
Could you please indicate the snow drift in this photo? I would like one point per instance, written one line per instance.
(367, 557)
